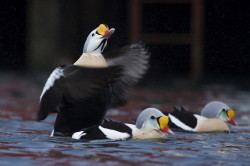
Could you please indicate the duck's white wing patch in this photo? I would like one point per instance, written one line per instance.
(180, 124)
(133, 127)
(56, 74)
(78, 135)
(113, 134)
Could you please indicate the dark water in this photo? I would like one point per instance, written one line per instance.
(28, 143)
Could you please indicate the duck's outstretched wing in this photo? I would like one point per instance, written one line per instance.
(73, 83)
(134, 61)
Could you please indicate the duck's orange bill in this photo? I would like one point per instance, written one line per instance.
(167, 130)
(231, 114)
(108, 33)
(233, 122)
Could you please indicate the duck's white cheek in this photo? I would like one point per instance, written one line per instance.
(91, 47)
(93, 44)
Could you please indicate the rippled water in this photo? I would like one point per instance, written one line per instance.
(28, 143)
(24, 142)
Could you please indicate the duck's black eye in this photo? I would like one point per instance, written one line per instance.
(152, 117)
(93, 34)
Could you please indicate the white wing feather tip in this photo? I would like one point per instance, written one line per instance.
(56, 74)
(78, 135)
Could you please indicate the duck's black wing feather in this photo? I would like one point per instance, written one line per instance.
(134, 61)
(183, 116)
(73, 83)
(177, 109)
(80, 83)
(117, 126)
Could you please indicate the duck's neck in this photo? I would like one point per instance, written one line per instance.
(91, 60)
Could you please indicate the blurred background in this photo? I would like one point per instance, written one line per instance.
(190, 40)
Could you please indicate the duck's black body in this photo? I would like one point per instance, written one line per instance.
(82, 95)
(150, 124)
(108, 130)
(183, 120)
(72, 118)
(184, 116)
(78, 96)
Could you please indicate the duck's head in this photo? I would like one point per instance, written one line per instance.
(227, 115)
(220, 110)
(97, 39)
(153, 119)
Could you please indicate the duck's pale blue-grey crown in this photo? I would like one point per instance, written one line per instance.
(213, 108)
(146, 114)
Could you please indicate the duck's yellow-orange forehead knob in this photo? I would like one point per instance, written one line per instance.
(230, 114)
(163, 121)
(102, 29)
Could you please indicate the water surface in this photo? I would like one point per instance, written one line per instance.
(25, 142)
(28, 143)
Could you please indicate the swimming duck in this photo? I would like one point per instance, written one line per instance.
(81, 93)
(190, 121)
(220, 110)
(150, 124)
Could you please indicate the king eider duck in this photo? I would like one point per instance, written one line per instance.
(150, 124)
(189, 121)
(81, 93)
(220, 110)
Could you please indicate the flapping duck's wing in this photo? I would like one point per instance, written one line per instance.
(133, 59)
(73, 83)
